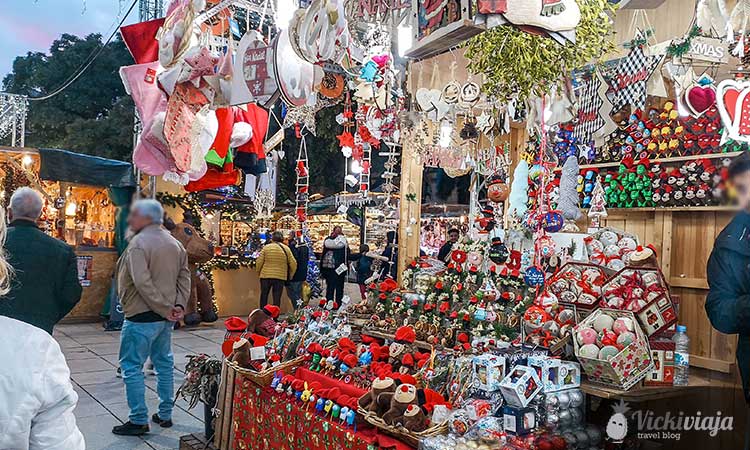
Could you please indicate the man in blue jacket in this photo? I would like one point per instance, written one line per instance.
(728, 271)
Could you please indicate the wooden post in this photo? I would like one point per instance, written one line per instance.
(410, 207)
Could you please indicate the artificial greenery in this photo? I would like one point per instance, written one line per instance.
(639, 40)
(679, 47)
(518, 64)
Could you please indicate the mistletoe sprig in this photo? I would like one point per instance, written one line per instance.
(518, 64)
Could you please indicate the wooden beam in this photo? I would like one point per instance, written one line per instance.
(410, 207)
(694, 283)
(717, 365)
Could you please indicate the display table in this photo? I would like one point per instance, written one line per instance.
(263, 420)
(640, 394)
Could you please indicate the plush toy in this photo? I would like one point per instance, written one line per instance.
(369, 401)
(200, 307)
(414, 419)
(404, 395)
(241, 353)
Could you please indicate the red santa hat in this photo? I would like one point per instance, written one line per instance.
(405, 335)
(272, 310)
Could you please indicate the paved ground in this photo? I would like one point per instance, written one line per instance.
(92, 356)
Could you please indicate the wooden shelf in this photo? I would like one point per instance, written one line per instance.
(661, 160)
(645, 393)
(668, 209)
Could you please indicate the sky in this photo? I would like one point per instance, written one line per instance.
(32, 25)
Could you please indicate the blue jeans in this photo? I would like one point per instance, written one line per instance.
(138, 341)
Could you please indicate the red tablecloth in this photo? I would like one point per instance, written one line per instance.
(265, 420)
(303, 373)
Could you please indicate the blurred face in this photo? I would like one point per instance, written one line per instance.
(741, 184)
(336, 231)
(137, 221)
(453, 237)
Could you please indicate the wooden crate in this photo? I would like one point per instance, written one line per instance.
(223, 428)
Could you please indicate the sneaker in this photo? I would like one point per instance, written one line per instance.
(118, 373)
(162, 423)
(131, 429)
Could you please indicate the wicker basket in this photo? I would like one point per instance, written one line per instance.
(401, 433)
(264, 377)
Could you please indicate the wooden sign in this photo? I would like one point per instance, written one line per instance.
(253, 71)
(708, 49)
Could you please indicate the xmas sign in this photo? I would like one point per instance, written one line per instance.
(708, 49)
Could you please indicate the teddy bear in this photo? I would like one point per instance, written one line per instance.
(414, 419)
(369, 401)
(200, 306)
(241, 353)
(399, 401)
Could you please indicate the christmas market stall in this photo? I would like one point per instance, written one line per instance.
(593, 142)
(85, 204)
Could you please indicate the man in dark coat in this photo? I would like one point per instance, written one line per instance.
(728, 272)
(301, 253)
(445, 250)
(45, 285)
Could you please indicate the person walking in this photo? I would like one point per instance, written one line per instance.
(388, 268)
(276, 265)
(728, 300)
(46, 286)
(37, 396)
(364, 268)
(301, 254)
(333, 266)
(153, 282)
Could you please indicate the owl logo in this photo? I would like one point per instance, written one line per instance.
(617, 426)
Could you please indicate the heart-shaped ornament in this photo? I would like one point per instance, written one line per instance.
(730, 99)
(427, 99)
(699, 99)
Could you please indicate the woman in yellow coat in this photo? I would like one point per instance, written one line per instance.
(275, 265)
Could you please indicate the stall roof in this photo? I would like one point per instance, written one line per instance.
(63, 165)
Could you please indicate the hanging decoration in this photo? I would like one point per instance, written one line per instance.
(302, 184)
(568, 200)
(255, 61)
(295, 76)
(734, 107)
(630, 79)
(519, 195)
(594, 110)
(515, 63)
(700, 96)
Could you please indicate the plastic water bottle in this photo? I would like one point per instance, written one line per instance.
(681, 356)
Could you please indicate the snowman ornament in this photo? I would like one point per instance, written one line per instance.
(617, 426)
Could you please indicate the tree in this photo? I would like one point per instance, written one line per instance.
(93, 115)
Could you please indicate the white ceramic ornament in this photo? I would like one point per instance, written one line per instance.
(603, 322)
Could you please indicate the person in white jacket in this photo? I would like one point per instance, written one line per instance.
(36, 396)
(333, 266)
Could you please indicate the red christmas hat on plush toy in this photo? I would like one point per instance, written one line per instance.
(347, 344)
(272, 310)
(407, 360)
(405, 335)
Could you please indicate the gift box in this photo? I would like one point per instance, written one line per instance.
(519, 420)
(520, 386)
(579, 285)
(657, 316)
(489, 371)
(617, 364)
(610, 247)
(555, 374)
(662, 354)
(632, 288)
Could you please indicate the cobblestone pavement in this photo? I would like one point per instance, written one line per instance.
(92, 357)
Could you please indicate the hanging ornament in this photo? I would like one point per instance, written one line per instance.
(552, 221)
(734, 107)
(700, 96)
(534, 276)
(497, 190)
(594, 111)
(498, 252)
(630, 78)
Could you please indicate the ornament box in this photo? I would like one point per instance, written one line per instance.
(658, 315)
(519, 420)
(489, 371)
(520, 386)
(632, 288)
(662, 353)
(578, 285)
(448, 26)
(625, 369)
(555, 374)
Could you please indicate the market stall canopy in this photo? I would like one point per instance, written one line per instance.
(62, 165)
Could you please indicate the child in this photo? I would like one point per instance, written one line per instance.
(364, 269)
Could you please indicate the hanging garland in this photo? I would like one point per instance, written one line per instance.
(517, 64)
(679, 47)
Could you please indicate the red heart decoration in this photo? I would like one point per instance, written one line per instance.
(700, 98)
(730, 100)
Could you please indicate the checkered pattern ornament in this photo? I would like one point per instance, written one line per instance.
(594, 109)
(630, 79)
